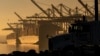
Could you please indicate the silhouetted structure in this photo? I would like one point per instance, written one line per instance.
(54, 22)
(82, 32)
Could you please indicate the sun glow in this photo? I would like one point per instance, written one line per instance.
(24, 40)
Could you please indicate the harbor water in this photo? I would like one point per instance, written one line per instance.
(6, 48)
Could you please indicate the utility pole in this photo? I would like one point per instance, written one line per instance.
(96, 9)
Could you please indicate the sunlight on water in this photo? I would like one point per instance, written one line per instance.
(27, 43)
(24, 40)
(4, 48)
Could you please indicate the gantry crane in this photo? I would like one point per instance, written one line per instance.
(60, 19)
(28, 25)
(16, 30)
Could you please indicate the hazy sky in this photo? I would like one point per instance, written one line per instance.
(25, 8)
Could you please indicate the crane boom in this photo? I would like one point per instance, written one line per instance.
(40, 8)
(80, 1)
(68, 10)
(18, 16)
(11, 26)
(57, 10)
